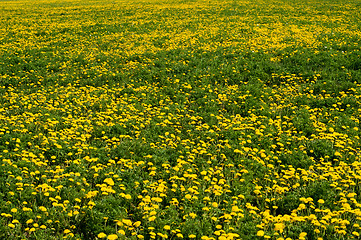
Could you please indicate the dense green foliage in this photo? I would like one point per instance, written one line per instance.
(180, 119)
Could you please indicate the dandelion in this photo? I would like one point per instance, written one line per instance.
(109, 181)
(102, 235)
(11, 225)
(29, 221)
(137, 224)
(279, 227)
(112, 236)
(179, 235)
(94, 117)
(302, 235)
(192, 215)
(42, 208)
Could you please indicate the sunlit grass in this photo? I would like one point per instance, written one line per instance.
(180, 119)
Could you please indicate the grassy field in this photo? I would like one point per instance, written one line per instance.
(194, 119)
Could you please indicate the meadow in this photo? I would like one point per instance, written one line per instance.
(180, 119)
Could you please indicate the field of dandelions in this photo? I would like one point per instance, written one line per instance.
(180, 119)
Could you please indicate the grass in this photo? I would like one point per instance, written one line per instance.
(180, 119)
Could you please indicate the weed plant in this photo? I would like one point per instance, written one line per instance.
(156, 119)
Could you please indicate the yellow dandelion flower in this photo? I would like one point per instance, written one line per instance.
(42, 208)
(260, 233)
(112, 237)
(137, 224)
(279, 227)
(303, 235)
(11, 225)
(102, 235)
(29, 221)
(109, 181)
